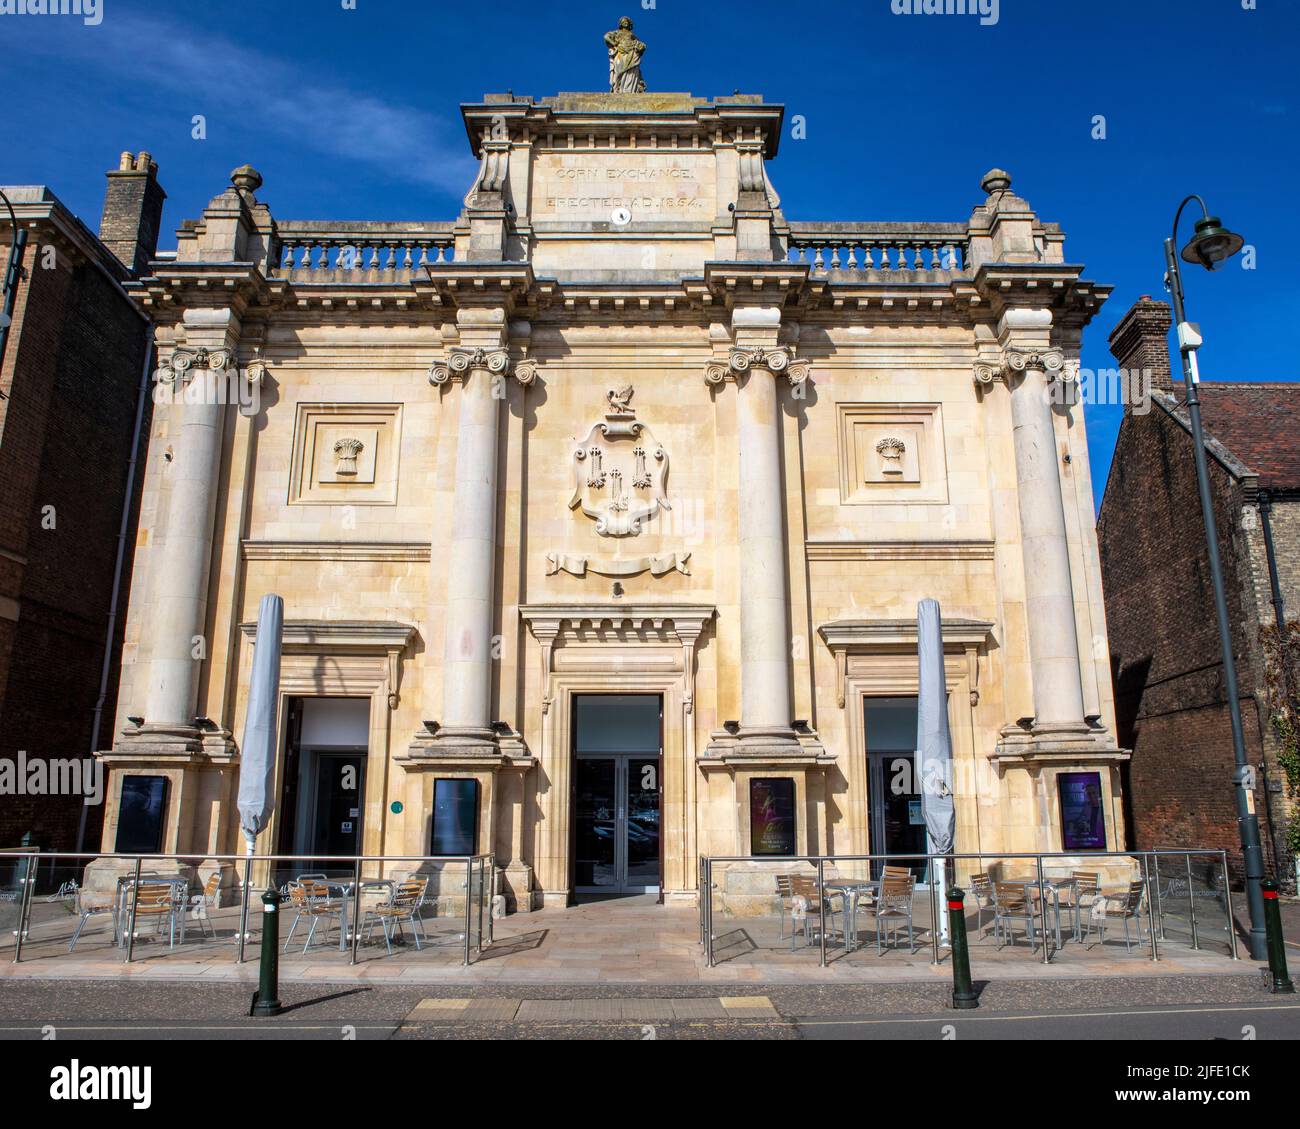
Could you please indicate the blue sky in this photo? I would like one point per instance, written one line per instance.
(351, 114)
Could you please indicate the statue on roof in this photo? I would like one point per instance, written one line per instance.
(625, 51)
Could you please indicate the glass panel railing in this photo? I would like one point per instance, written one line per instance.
(892, 909)
(163, 908)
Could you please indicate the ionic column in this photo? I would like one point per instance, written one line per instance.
(471, 562)
(198, 375)
(1049, 593)
(765, 712)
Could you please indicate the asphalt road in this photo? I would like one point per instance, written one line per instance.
(1166, 1008)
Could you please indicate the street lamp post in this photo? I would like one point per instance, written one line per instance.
(16, 246)
(1211, 245)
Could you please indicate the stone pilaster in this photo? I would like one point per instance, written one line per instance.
(1029, 364)
(465, 727)
(198, 373)
(755, 365)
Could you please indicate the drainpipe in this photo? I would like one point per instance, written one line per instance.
(123, 526)
(1279, 617)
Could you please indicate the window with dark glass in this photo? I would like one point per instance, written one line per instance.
(455, 817)
(142, 814)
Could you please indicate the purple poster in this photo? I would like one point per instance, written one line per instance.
(771, 816)
(1083, 816)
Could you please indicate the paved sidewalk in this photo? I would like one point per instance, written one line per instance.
(626, 941)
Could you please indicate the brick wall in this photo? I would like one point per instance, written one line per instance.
(1170, 693)
(72, 372)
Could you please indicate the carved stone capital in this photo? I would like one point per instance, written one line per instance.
(460, 362)
(1013, 362)
(779, 361)
(184, 361)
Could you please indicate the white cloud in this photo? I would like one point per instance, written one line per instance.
(220, 78)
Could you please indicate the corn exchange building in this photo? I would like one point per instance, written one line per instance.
(601, 513)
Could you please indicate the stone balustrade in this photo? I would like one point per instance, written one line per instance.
(379, 251)
(880, 247)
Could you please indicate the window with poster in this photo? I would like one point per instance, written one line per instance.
(771, 816)
(1083, 811)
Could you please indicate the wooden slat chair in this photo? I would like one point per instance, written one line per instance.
(1009, 905)
(160, 902)
(1128, 907)
(403, 906)
(310, 898)
(894, 907)
(810, 908)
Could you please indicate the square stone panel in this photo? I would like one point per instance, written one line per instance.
(323, 475)
(891, 453)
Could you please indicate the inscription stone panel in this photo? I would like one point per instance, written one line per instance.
(592, 185)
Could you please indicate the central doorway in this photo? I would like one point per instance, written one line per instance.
(618, 754)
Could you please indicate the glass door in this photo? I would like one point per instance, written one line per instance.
(641, 778)
(596, 853)
(616, 793)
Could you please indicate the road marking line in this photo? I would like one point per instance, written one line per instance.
(949, 1017)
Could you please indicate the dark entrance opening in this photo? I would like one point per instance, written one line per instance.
(617, 789)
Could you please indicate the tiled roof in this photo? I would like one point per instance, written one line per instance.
(1260, 425)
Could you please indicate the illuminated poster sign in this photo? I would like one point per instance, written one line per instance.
(771, 816)
(1083, 816)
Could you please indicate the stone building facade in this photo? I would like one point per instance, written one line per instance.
(74, 396)
(1170, 695)
(602, 511)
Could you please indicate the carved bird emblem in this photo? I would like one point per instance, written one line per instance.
(620, 399)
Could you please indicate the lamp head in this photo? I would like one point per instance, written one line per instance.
(1212, 244)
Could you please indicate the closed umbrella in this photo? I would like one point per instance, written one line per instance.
(257, 754)
(934, 744)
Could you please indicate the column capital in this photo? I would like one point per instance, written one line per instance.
(1006, 365)
(461, 361)
(779, 361)
(184, 361)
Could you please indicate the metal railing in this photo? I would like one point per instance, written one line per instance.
(1147, 864)
(125, 874)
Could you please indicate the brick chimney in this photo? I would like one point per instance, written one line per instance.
(1141, 341)
(133, 206)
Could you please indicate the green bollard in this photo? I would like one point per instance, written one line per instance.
(1276, 945)
(964, 996)
(266, 1000)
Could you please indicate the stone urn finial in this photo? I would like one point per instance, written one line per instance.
(247, 179)
(996, 180)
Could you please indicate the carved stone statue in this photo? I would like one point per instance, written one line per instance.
(625, 51)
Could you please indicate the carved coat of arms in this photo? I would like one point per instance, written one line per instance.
(619, 471)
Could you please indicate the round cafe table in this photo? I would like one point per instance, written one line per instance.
(851, 889)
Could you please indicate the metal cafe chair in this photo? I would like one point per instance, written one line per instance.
(982, 889)
(85, 906)
(1129, 908)
(402, 906)
(311, 899)
(807, 907)
(784, 897)
(893, 907)
(203, 903)
(1010, 904)
(161, 902)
